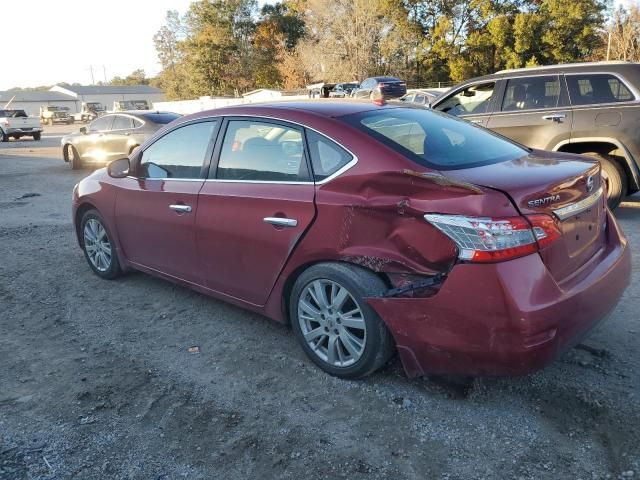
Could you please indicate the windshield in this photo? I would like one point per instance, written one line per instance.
(161, 118)
(435, 140)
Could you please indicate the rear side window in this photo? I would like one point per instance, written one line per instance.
(531, 93)
(590, 89)
(326, 156)
(178, 154)
(122, 123)
(262, 151)
(435, 140)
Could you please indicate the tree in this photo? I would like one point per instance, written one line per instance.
(625, 35)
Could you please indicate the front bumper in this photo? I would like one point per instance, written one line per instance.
(508, 318)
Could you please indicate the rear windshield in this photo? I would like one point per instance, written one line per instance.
(434, 139)
(161, 118)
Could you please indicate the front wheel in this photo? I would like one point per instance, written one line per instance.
(335, 326)
(74, 158)
(98, 247)
(3, 136)
(614, 178)
(37, 136)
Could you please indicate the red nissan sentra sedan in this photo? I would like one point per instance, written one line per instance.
(370, 228)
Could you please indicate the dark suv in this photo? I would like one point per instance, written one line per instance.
(586, 108)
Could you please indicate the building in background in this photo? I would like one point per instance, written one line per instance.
(108, 94)
(31, 102)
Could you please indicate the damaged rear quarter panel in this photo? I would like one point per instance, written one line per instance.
(380, 224)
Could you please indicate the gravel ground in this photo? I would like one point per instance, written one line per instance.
(97, 381)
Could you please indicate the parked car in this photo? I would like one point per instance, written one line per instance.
(343, 90)
(420, 97)
(380, 87)
(111, 137)
(370, 229)
(51, 114)
(126, 105)
(587, 108)
(88, 112)
(17, 124)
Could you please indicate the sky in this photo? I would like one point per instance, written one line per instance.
(51, 41)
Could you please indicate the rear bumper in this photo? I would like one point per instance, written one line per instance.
(508, 318)
(22, 131)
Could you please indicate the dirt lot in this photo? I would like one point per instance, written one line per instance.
(97, 381)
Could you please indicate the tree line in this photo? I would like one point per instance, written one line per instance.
(227, 47)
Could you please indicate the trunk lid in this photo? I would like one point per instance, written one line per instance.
(566, 187)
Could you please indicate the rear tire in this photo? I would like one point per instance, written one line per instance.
(37, 136)
(360, 347)
(614, 177)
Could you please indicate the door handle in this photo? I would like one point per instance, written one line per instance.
(181, 208)
(555, 117)
(281, 222)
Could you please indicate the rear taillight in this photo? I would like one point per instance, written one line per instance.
(496, 239)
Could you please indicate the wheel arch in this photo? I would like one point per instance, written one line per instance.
(605, 146)
(80, 212)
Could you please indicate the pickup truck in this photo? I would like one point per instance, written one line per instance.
(51, 114)
(16, 124)
(89, 112)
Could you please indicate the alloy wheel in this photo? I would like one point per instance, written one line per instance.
(97, 245)
(332, 323)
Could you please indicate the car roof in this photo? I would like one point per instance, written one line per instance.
(321, 107)
(385, 78)
(628, 69)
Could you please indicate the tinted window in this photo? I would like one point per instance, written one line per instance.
(590, 89)
(474, 99)
(137, 123)
(178, 154)
(531, 93)
(254, 150)
(435, 140)
(122, 123)
(101, 124)
(420, 99)
(161, 118)
(326, 156)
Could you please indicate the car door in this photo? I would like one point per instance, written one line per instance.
(91, 145)
(117, 140)
(255, 206)
(156, 207)
(473, 102)
(534, 111)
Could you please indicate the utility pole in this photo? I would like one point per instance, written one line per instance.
(93, 81)
(609, 44)
(104, 73)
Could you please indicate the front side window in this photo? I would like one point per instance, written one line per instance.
(531, 93)
(326, 156)
(472, 100)
(435, 140)
(261, 151)
(101, 124)
(178, 154)
(590, 89)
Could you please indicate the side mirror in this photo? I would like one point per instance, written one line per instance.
(83, 130)
(119, 168)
